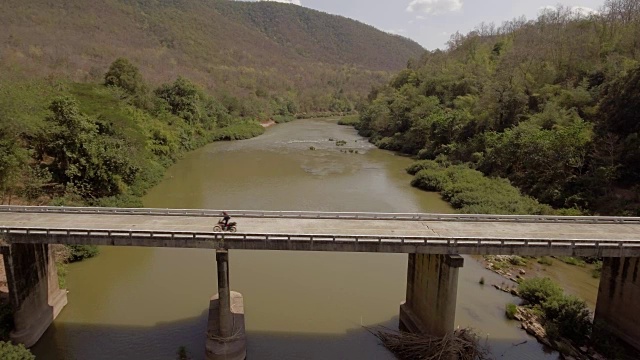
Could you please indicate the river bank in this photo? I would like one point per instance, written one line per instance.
(70, 254)
(469, 191)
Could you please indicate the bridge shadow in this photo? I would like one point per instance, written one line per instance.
(161, 342)
(74, 341)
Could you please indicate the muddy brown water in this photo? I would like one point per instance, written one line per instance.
(139, 303)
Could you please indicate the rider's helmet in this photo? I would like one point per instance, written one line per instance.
(224, 213)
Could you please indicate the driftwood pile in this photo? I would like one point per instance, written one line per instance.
(463, 344)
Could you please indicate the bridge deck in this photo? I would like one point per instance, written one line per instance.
(317, 231)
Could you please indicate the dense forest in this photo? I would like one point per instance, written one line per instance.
(253, 51)
(103, 144)
(188, 72)
(551, 104)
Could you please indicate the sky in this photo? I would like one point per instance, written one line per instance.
(432, 22)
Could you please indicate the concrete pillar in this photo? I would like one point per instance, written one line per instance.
(226, 339)
(35, 296)
(618, 307)
(432, 286)
(224, 295)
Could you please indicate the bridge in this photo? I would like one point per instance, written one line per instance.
(326, 231)
(433, 242)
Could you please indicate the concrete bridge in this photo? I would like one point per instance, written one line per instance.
(433, 242)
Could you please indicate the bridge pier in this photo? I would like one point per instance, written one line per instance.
(34, 293)
(226, 339)
(432, 286)
(618, 306)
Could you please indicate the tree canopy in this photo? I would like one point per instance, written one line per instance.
(552, 104)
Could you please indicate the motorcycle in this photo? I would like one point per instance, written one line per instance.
(230, 227)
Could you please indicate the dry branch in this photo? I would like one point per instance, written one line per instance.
(463, 344)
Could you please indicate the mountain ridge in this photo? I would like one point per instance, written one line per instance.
(224, 46)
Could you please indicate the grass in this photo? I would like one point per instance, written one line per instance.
(499, 265)
(545, 260)
(510, 311)
(238, 131)
(281, 119)
(572, 261)
(63, 270)
(517, 261)
(470, 192)
(597, 270)
(349, 120)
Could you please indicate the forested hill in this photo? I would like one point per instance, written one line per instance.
(242, 48)
(552, 104)
(323, 37)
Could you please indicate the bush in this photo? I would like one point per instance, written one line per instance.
(572, 261)
(517, 260)
(510, 311)
(9, 351)
(597, 270)
(539, 290)
(423, 165)
(545, 260)
(351, 120)
(566, 316)
(239, 131)
(281, 119)
(471, 192)
(571, 316)
(62, 270)
(81, 252)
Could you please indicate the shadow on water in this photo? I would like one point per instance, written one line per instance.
(99, 342)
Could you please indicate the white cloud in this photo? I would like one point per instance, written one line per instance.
(296, 2)
(434, 7)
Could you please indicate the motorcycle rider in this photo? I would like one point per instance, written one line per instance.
(225, 218)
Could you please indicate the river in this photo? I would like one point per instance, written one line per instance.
(139, 303)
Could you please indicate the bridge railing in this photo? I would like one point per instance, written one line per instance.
(271, 240)
(323, 215)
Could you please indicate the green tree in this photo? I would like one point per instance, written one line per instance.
(620, 110)
(81, 252)
(70, 141)
(36, 177)
(182, 98)
(123, 74)
(539, 290)
(93, 164)
(11, 160)
(571, 316)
